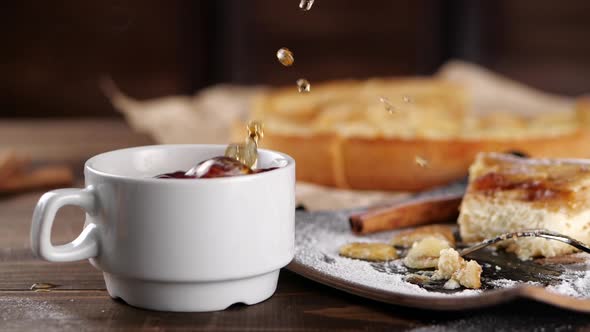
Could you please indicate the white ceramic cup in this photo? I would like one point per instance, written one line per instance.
(177, 244)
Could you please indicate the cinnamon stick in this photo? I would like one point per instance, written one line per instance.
(11, 163)
(43, 177)
(417, 210)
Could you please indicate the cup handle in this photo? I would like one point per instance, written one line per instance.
(83, 247)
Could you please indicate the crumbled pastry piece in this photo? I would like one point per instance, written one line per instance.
(418, 279)
(453, 267)
(376, 252)
(449, 262)
(469, 275)
(424, 254)
(508, 194)
(451, 284)
(409, 237)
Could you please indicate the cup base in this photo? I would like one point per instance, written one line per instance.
(192, 296)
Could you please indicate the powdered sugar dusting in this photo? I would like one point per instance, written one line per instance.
(319, 235)
(505, 283)
(508, 283)
(574, 282)
(317, 242)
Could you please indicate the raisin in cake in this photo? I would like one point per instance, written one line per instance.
(508, 193)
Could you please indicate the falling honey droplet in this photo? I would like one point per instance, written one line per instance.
(387, 104)
(305, 4)
(42, 287)
(303, 85)
(255, 130)
(421, 161)
(285, 57)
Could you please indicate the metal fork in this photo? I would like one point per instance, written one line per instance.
(543, 233)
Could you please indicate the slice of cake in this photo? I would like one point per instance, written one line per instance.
(508, 193)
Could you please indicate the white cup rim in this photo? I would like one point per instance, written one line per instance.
(89, 167)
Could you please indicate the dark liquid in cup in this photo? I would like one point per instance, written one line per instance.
(217, 167)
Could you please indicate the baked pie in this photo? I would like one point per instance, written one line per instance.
(343, 135)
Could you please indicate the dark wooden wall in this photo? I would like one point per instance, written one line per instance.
(336, 39)
(54, 52)
(545, 43)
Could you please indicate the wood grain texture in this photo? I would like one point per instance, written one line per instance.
(67, 140)
(80, 302)
(57, 176)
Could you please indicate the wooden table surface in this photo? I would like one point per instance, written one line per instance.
(81, 303)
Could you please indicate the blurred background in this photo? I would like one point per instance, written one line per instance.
(54, 52)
